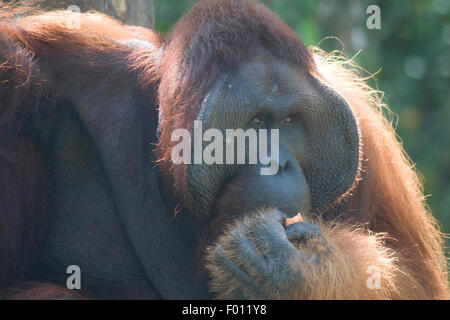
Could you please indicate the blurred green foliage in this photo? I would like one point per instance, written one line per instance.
(412, 53)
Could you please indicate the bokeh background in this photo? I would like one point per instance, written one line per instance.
(411, 53)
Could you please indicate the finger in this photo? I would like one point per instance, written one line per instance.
(252, 259)
(302, 232)
(222, 260)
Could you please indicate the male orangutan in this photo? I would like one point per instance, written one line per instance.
(87, 178)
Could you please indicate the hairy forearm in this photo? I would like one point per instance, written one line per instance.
(343, 262)
(357, 266)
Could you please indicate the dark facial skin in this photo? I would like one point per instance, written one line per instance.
(318, 141)
(319, 150)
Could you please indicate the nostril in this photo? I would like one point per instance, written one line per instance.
(286, 164)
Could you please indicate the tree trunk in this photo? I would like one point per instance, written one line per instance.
(133, 12)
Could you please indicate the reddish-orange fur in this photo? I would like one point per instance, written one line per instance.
(389, 197)
(40, 291)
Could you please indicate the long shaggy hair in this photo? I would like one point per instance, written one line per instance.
(389, 197)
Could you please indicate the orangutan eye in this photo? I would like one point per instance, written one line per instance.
(258, 121)
(288, 120)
